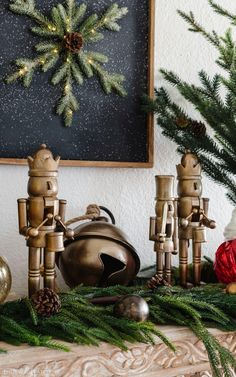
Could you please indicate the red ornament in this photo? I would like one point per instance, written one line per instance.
(225, 263)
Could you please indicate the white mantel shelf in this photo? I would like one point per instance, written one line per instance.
(108, 361)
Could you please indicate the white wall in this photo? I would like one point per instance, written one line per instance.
(128, 193)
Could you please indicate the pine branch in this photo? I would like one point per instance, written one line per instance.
(27, 8)
(65, 20)
(88, 25)
(222, 11)
(67, 104)
(197, 28)
(109, 82)
(113, 14)
(93, 24)
(70, 8)
(227, 53)
(48, 47)
(50, 31)
(83, 323)
(57, 21)
(61, 73)
(76, 73)
(217, 115)
(26, 68)
(79, 15)
(32, 311)
(85, 64)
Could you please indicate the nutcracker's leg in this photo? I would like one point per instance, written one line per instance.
(196, 263)
(34, 270)
(168, 267)
(183, 261)
(49, 269)
(159, 263)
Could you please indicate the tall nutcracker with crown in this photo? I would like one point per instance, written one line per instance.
(192, 215)
(41, 219)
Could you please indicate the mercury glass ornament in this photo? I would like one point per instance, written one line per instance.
(5, 279)
(132, 307)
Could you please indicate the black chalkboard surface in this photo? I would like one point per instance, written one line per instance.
(108, 130)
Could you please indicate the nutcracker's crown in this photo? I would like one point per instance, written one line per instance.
(189, 167)
(43, 163)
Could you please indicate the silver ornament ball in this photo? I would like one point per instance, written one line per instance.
(132, 307)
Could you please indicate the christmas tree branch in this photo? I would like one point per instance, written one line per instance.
(196, 27)
(222, 11)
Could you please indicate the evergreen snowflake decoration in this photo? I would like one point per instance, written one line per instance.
(67, 33)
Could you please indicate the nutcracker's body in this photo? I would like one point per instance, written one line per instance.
(163, 226)
(192, 216)
(39, 216)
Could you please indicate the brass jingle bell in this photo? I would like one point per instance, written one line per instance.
(99, 255)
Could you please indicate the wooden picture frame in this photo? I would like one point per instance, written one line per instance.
(150, 119)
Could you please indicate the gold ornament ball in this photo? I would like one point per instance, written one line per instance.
(231, 289)
(132, 307)
(5, 279)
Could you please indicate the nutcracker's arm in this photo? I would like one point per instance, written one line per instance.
(22, 216)
(175, 234)
(158, 228)
(62, 209)
(205, 220)
(68, 233)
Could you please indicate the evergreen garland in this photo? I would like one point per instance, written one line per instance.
(67, 33)
(217, 153)
(83, 323)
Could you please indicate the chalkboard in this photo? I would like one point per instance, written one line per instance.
(108, 130)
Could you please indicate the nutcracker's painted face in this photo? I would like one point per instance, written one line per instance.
(42, 186)
(190, 187)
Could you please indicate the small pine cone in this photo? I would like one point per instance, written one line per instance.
(46, 302)
(198, 128)
(74, 42)
(182, 122)
(157, 281)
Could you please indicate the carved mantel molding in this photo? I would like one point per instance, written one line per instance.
(108, 361)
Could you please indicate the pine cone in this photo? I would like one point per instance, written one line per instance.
(198, 128)
(157, 281)
(74, 42)
(46, 302)
(182, 122)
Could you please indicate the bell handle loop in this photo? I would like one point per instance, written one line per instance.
(109, 213)
(92, 213)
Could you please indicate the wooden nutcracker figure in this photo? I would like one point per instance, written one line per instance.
(192, 215)
(39, 218)
(163, 227)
